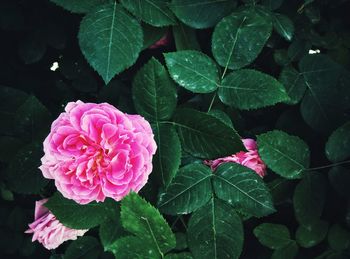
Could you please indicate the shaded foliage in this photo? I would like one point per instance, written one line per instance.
(229, 69)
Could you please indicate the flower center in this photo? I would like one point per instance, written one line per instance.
(100, 159)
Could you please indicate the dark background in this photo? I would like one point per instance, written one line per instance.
(35, 34)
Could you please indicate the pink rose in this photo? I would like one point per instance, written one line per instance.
(95, 151)
(249, 159)
(48, 230)
(164, 41)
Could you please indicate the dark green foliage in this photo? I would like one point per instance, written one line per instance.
(146, 223)
(205, 136)
(154, 93)
(193, 70)
(250, 89)
(242, 188)
(110, 40)
(274, 236)
(189, 190)
(215, 231)
(239, 38)
(276, 71)
(74, 215)
(286, 155)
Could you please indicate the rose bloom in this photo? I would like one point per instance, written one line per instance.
(95, 151)
(48, 230)
(250, 159)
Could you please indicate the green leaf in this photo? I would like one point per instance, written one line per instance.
(110, 40)
(283, 26)
(201, 14)
(339, 178)
(338, 144)
(154, 92)
(76, 216)
(338, 238)
(239, 38)
(193, 70)
(167, 159)
(131, 247)
(215, 231)
(288, 252)
(145, 221)
(84, 247)
(110, 230)
(32, 120)
(311, 235)
(284, 154)
(221, 116)
(250, 89)
(274, 236)
(309, 198)
(22, 174)
(185, 38)
(153, 12)
(190, 190)
(294, 83)
(326, 101)
(243, 188)
(81, 6)
(205, 136)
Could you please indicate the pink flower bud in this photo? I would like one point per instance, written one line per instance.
(250, 159)
(48, 231)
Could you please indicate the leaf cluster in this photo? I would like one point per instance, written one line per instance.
(276, 71)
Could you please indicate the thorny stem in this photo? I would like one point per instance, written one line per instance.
(212, 101)
(327, 166)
